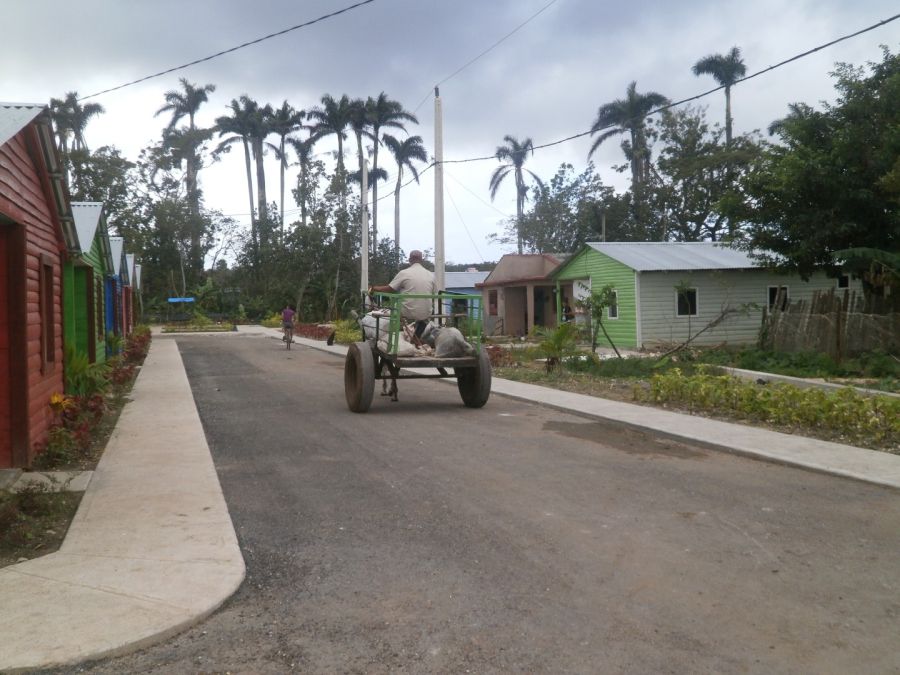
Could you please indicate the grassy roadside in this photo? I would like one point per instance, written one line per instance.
(689, 383)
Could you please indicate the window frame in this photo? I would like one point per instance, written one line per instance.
(770, 299)
(45, 310)
(678, 296)
(609, 309)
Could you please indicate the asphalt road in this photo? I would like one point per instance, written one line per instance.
(426, 537)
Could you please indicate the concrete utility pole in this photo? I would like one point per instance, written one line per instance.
(364, 227)
(438, 193)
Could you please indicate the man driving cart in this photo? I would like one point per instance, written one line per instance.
(417, 280)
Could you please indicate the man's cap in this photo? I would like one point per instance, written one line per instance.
(415, 255)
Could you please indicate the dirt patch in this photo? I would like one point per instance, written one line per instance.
(632, 441)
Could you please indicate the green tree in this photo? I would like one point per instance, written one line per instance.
(726, 69)
(693, 188)
(71, 119)
(832, 183)
(568, 211)
(513, 156)
(305, 189)
(238, 127)
(182, 104)
(283, 122)
(594, 305)
(405, 153)
(383, 113)
(628, 116)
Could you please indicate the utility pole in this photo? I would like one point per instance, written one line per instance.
(603, 225)
(364, 228)
(438, 193)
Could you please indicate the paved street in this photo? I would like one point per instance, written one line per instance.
(427, 537)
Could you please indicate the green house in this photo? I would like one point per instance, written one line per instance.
(83, 283)
(668, 291)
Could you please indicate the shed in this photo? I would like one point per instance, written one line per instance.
(519, 293)
(117, 279)
(87, 298)
(128, 296)
(462, 283)
(668, 291)
(36, 231)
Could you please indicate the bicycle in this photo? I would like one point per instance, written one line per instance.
(288, 336)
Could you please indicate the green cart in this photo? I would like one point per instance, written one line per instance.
(376, 356)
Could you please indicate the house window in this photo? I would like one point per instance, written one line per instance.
(778, 295)
(48, 335)
(843, 281)
(687, 302)
(612, 312)
(492, 303)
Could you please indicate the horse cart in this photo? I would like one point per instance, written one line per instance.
(386, 354)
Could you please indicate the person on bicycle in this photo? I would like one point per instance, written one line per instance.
(415, 279)
(287, 322)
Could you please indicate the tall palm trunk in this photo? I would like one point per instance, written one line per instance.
(520, 208)
(281, 183)
(254, 233)
(727, 117)
(264, 229)
(375, 196)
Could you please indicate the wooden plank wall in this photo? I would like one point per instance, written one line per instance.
(23, 200)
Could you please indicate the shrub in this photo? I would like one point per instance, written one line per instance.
(347, 331)
(83, 378)
(859, 419)
(272, 321)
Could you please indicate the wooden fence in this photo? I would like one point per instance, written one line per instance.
(840, 324)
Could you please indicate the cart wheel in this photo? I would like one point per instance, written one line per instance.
(475, 383)
(359, 376)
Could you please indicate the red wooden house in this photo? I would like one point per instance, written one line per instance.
(36, 231)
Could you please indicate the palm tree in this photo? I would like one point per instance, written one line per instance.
(383, 113)
(627, 116)
(727, 69)
(332, 118)
(283, 122)
(405, 152)
(359, 122)
(514, 154)
(238, 125)
(259, 125)
(303, 148)
(186, 104)
(72, 118)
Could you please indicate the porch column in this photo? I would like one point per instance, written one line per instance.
(529, 306)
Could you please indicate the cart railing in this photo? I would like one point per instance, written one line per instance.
(462, 310)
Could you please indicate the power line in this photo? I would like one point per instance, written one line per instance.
(496, 44)
(233, 49)
(465, 227)
(475, 194)
(698, 96)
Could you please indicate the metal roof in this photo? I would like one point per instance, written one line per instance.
(129, 265)
(463, 279)
(658, 256)
(87, 218)
(116, 249)
(15, 116)
(137, 276)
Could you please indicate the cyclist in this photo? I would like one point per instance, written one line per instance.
(287, 323)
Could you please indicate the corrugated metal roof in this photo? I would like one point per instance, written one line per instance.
(15, 116)
(87, 217)
(463, 279)
(137, 276)
(129, 264)
(656, 256)
(116, 248)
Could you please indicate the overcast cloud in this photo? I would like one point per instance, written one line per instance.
(544, 82)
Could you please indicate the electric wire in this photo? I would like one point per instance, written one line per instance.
(232, 49)
(695, 97)
(496, 44)
(465, 227)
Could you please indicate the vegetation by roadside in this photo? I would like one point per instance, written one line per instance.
(34, 520)
(692, 382)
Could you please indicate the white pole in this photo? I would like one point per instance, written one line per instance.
(364, 227)
(438, 193)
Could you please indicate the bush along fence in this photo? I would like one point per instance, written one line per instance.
(867, 421)
(839, 324)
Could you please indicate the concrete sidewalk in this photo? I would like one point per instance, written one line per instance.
(152, 549)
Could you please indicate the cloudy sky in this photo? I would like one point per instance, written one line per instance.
(545, 82)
